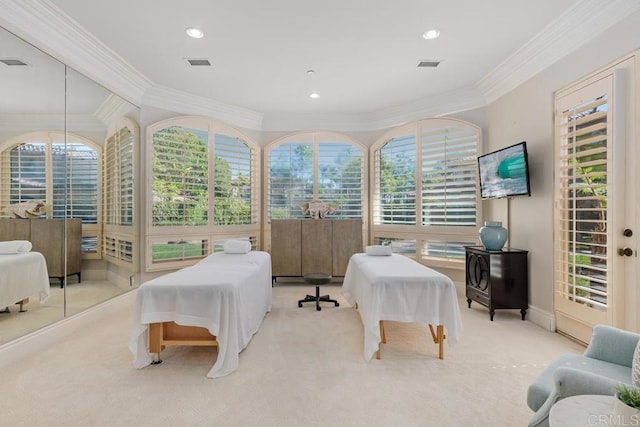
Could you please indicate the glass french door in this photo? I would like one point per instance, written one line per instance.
(594, 246)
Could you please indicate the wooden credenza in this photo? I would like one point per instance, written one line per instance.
(301, 246)
(47, 237)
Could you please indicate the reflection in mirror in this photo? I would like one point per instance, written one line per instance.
(101, 141)
(70, 143)
(32, 109)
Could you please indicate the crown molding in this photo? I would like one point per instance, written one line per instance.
(45, 26)
(580, 23)
(112, 109)
(185, 103)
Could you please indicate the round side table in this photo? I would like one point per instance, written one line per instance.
(584, 410)
(317, 279)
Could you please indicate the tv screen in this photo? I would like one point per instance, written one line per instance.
(505, 172)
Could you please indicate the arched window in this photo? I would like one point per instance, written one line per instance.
(62, 172)
(315, 166)
(203, 189)
(425, 199)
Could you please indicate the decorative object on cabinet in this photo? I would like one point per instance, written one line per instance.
(317, 209)
(497, 280)
(493, 235)
(300, 247)
(24, 210)
(48, 237)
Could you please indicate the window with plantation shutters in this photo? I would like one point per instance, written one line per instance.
(62, 171)
(204, 189)
(180, 184)
(81, 182)
(315, 166)
(118, 181)
(449, 176)
(340, 178)
(27, 173)
(425, 197)
(581, 202)
(290, 179)
(395, 180)
(118, 235)
(234, 171)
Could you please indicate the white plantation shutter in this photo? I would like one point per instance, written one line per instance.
(118, 181)
(441, 192)
(235, 198)
(582, 211)
(180, 176)
(395, 181)
(290, 179)
(24, 167)
(340, 178)
(205, 188)
(65, 175)
(118, 237)
(316, 166)
(449, 176)
(82, 182)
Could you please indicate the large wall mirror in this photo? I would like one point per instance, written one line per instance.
(68, 155)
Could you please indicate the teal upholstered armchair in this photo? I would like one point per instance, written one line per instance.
(606, 362)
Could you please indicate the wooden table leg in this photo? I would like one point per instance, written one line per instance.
(383, 339)
(438, 338)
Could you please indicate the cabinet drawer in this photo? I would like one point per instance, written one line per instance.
(476, 295)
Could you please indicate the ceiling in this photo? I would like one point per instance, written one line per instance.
(364, 52)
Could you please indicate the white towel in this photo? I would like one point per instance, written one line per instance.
(15, 247)
(232, 246)
(378, 250)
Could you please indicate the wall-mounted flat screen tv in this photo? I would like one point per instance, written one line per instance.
(505, 172)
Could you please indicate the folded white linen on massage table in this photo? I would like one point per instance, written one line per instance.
(398, 288)
(229, 294)
(15, 246)
(21, 276)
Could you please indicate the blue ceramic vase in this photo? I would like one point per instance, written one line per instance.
(493, 235)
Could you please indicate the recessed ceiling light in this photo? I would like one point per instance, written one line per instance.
(310, 72)
(431, 34)
(195, 33)
(314, 96)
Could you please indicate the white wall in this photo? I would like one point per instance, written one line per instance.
(526, 113)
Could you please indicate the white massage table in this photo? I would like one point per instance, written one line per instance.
(400, 289)
(23, 275)
(219, 301)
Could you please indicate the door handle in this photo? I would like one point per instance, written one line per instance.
(625, 252)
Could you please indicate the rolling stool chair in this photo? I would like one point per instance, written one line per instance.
(317, 279)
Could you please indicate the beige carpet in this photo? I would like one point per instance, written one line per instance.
(302, 368)
(80, 296)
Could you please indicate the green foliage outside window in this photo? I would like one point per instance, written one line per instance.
(180, 186)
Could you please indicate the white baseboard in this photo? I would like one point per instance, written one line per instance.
(542, 318)
(35, 342)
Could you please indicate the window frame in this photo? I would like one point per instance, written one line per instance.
(418, 232)
(49, 138)
(315, 138)
(209, 232)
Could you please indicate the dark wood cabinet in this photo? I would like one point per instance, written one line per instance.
(306, 246)
(497, 279)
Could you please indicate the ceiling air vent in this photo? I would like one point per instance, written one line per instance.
(199, 62)
(428, 64)
(12, 62)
